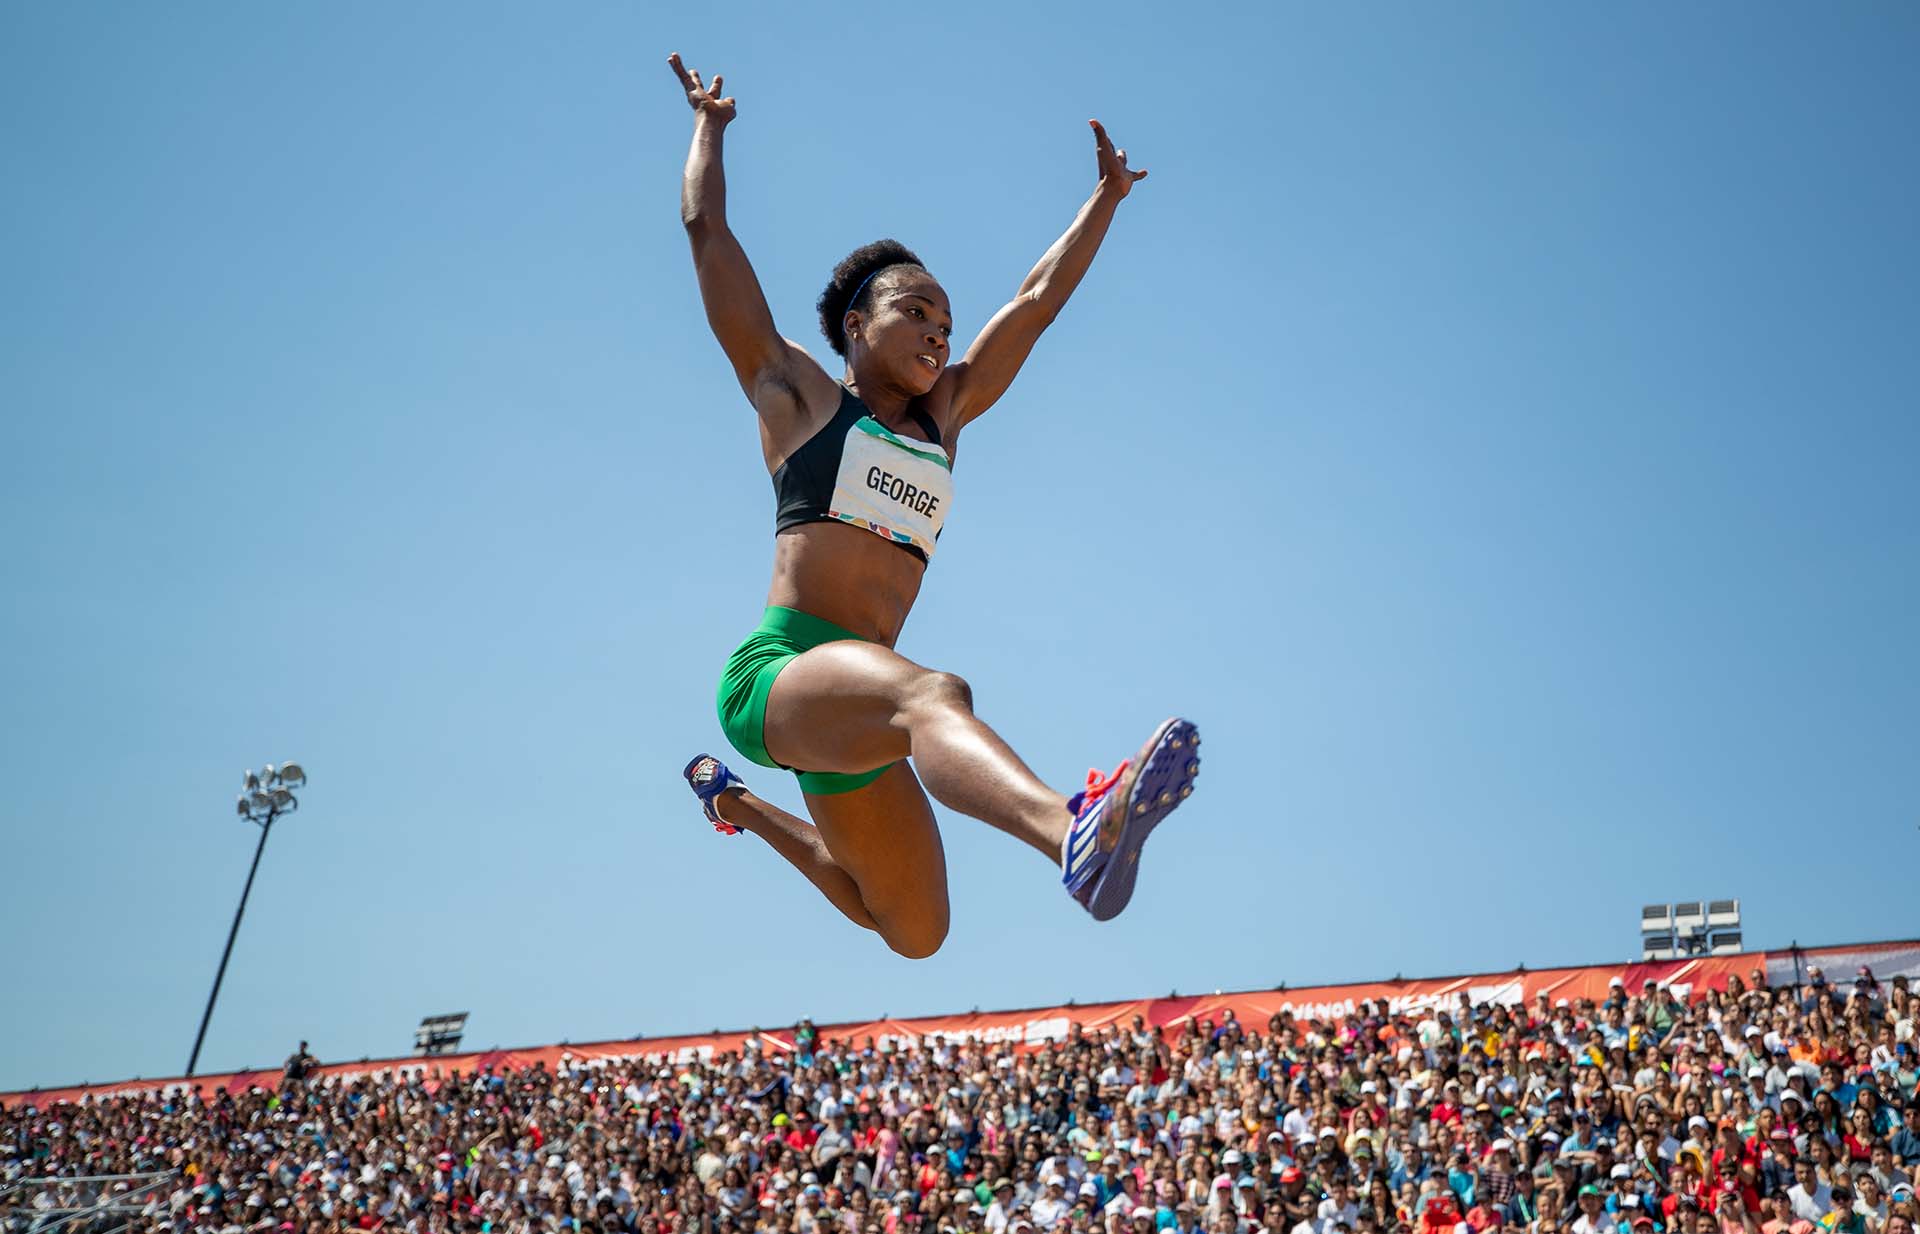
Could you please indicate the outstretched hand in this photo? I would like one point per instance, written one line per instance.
(1114, 171)
(706, 100)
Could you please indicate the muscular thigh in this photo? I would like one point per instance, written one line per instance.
(884, 836)
(836, 708)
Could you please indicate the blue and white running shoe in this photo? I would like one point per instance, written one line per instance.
(709, 777)
(1114, 815)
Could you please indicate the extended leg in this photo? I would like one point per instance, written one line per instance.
(851, 706)
(847, 707)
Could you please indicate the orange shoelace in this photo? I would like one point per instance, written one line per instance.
(1098, 785)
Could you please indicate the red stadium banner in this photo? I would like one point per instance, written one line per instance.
(1034, 1026)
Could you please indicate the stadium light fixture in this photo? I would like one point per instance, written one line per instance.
(266, 796)
(1689, 928)
(440, 1034)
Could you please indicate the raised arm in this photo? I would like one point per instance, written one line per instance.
(736, 307)
(1003, 345)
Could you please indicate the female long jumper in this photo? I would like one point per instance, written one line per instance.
(863, 477)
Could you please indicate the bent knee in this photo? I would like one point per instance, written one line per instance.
(937, 690)
(917, 945)
(914, 935)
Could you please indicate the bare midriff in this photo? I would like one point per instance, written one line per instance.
(846, 575)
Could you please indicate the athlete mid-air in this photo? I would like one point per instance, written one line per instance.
(863, 477)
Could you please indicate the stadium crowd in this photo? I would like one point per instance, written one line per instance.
(1748, 1110)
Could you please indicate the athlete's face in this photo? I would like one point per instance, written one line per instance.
(904, 331)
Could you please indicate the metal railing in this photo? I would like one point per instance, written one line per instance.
(78, 1204)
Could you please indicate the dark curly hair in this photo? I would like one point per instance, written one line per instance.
(854, 274)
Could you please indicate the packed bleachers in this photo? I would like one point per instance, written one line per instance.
(1747, 1109)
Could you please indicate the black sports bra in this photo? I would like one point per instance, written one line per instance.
(855, 470)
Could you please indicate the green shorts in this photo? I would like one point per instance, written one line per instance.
(782, 634)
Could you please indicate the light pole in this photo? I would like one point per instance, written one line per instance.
(268, 795)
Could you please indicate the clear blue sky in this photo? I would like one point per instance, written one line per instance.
(1495, 425)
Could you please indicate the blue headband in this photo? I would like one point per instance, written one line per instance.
(855, 297)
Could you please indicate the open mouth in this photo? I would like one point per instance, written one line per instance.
(929, 361)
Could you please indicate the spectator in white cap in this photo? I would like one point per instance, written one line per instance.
(1794, 1108)
(1052, 1202)
(1497, 1183)
(1229, 1171)
(1756, 1089)
(1371, 1112)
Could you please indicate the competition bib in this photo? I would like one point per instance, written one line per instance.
(893, 486)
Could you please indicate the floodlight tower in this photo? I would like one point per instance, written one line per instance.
(268, 795)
